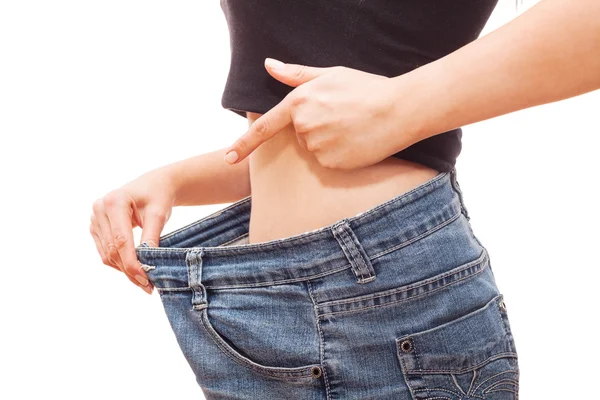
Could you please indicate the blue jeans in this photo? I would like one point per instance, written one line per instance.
(397, 302)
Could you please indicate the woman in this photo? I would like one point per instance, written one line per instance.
(340, 271)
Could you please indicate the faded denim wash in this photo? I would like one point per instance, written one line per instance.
(397, 302)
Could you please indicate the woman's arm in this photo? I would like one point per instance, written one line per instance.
(147, 202)
(549, 53)
(207, 179)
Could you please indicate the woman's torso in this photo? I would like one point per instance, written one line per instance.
(292, 193)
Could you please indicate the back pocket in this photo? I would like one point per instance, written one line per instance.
(472, 357)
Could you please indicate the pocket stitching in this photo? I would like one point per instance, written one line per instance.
(507, 383)
(504, 381)
(508, 337)
(504, 390)
(408, 383)
(456, 320)
(492, 377)
(508, 354)
(271, 371)
(455, 394)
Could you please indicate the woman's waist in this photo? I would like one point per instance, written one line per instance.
(423, 232)
(292, 193)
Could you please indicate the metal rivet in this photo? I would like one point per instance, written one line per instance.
(502, 305)
(315, 372)
(406, 346)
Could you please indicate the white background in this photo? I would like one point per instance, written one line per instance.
(95, 93)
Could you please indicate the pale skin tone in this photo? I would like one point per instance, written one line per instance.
(316, 136)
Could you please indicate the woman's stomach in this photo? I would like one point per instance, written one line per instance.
(292, 193)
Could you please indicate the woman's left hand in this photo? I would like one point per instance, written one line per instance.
(341, 115)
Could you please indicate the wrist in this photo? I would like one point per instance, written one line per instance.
(176, 174)
(170, 180)
(418, 101)
(406, 111)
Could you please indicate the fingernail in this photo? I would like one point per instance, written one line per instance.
(141, 280)
(274, 64)
(231, 157)
(147, 289)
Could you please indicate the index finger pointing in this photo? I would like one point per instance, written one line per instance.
(261, 130)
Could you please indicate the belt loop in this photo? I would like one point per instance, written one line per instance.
(193, 259)
(456, 187)
(354, 251)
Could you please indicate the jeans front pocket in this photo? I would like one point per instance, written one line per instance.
(471, 357)
(269, 330)
(232, 351)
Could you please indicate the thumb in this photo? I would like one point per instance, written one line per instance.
(152, 228)
(293, 74)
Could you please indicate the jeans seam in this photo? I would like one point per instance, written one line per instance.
(452, 392)
(321, 341)
(458, 190)
(281, 282)
(502, 382)
(415, 285)
(233, 240)
(471, 275)
(492, 377)
(497, 356)
(503, 390)
(215, 214)
(173, 289)
(251, 285)
(418, 237)
(403, 368)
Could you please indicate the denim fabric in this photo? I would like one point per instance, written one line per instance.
(397, 302)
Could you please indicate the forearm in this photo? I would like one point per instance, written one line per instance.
(208, 179)
(549, 53)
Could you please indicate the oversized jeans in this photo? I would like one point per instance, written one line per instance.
(397, 302)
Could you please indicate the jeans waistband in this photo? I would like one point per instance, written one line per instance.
(199, 254)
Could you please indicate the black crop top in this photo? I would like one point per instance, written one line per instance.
(384, 37)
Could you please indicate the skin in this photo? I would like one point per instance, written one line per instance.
(147, 202)
(302, 153)
(292, 192)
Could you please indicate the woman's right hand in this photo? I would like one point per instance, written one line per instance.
(146, 202)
